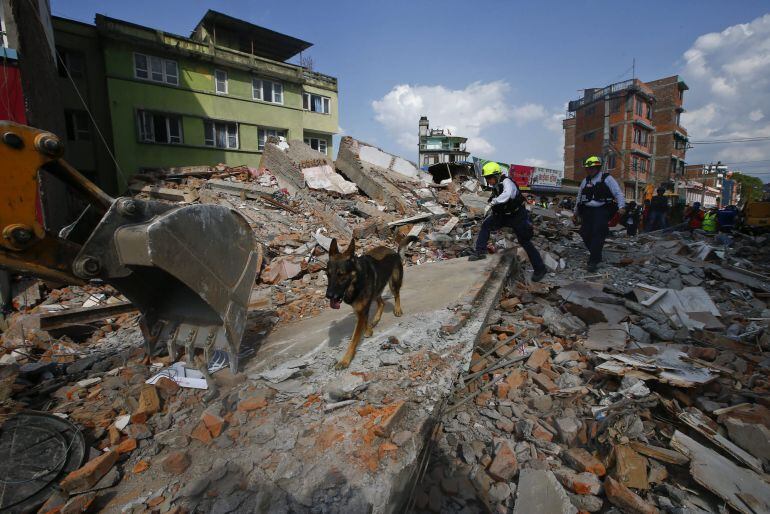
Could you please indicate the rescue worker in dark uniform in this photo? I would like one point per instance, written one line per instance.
(599, 198)
(507, 210)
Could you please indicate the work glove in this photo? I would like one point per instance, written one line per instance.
(622, 212)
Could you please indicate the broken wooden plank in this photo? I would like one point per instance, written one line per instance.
(65, 318)
(630, 468)
(411, 219)
(741, 488)
(416, 230)
(658, 453)
(165, 193)
(449, 225)
(695, 419)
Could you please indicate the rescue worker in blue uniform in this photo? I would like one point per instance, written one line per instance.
(599, 198)
(507, 210)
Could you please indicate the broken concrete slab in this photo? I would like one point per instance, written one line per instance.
(743, 489)
(286, 160)
(540, 491)
(324, 177)
(752, 437)
(606, 336)
(590, 303)
(377, 181)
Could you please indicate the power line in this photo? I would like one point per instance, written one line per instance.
(77, 91)
(727, 141)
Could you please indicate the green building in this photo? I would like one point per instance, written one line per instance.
(213, 97)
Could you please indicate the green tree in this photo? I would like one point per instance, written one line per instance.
(749, 183)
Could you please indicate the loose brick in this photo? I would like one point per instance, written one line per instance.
(149, 401)
(502, 389)
(251, 404)
(581, 460)
(579, 483)
(176, 463)
(516, 379)
(537, 358)
(213, 422)
(626, 500)
(386, 427)
(85, 477)
(127, 446)
(201, 433)
(545, 383)
(541, 433)
(504, 466)
(78, 504)
(510, 304)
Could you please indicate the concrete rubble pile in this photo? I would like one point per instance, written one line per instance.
(638, 389)
(641, 389)
(388, 198)
(141, 442)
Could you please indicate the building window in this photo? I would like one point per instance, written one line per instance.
(635, 164)
(316, 144)
(615, 104)
(71, 60)
(639, 107)
(681, 95)
(78, 125)
(589, 136)
(316, 103)
(148, 67)
(220, 81)
(222, 134)
(678, 118)
(611, 162)
(3, 34)
(159, 128)
(264, 133)
(267, 91)
(649, 112)
(613, 133)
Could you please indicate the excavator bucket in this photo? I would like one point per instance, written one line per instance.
(188, 269)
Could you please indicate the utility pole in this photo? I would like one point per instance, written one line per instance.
(703, 185)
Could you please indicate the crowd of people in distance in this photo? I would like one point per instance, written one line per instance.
(658, 213)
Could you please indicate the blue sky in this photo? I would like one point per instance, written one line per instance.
(501, 72)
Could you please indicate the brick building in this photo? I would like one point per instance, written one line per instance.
(620, 122)
(670, 138)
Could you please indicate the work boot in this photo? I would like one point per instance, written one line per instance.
(538, 275)
(477, 256)
(592, 267)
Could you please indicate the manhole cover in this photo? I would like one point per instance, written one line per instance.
(36, 451)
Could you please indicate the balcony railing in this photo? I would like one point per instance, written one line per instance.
(599, 93)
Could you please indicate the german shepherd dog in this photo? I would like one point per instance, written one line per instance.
(359, 281)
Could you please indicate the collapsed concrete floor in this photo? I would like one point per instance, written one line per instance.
(289, 433)
(639, 389)
(635, 389)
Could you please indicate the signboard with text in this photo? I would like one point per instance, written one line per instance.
(522, 175)
(547, 177)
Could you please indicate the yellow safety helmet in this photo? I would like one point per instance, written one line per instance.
(491, 168)
(592, 162)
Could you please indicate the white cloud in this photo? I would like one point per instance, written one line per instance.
(727, 73)
(468, 112)
(529, 112)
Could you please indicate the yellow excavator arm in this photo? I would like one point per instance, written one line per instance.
(189, 269)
